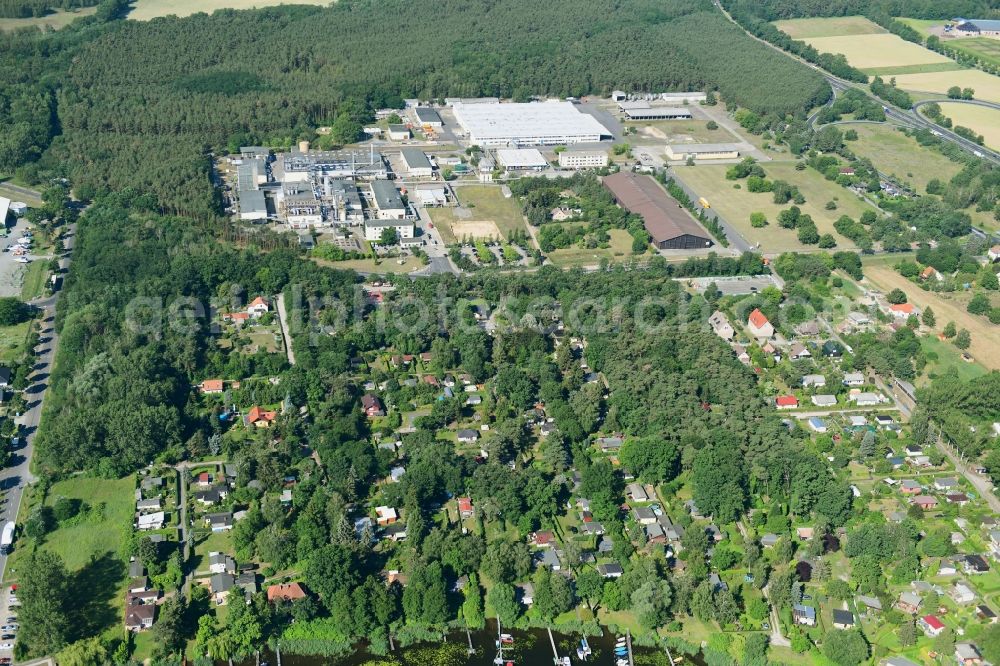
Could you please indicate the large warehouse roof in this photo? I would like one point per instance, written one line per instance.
(528, 123)
(521, 158)
(663, 216)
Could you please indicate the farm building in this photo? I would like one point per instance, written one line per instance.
(583, 159)
(978, 27)
(416, 163)
(703, 151)
(670, 226)
(521, 159)
(532, 123)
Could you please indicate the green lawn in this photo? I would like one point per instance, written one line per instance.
(619, 250)
(12, 341)
(205, 543)
(486, 202)
(34, 279)
(948, 358)
(901, 156)
(55, 20)
(736, 205)
(388, 265)
(985, 48)
(922, 26)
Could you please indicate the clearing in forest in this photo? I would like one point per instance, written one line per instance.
(144, 10)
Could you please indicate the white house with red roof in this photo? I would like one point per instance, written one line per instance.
(758, 325)
(931, 625)
(786, 402)
(258, 307)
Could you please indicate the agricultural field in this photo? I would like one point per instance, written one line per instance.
(56, 20)
(482, 212)
(987, 86)
(805, 28)
(880, 51)
(982, 119)
(986, 48)
(736, 205)
(923, 26)
(620, 249)
(879, 272)
(145, 10)
(901, 156)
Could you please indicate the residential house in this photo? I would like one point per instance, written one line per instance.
(910, 487)
(962, 594)
(543, 539)
(967, 654)
(813, 381)
(798, 351)
(871, 604)
(804, 615)
(637, 492)
(832, 349)
(824, 400)
(786, 402)
(258, 307)
(925, 502)
(525, 593)
(643, 515)
(721, 326)
(807, 328)
(843, 619)
(467, 436)
(610, 444)
(549, 558)
(210, 496)
(931, 625)
(654, 533)
(945, 483)
(372, 405)
(867, 399)
(465, 508)
(817, 424)
(219, 522)
(147, 505)
(396, 473)
(758, 325)
(150, 521)
(285, 592)
(211, 386)
(903, 310)
(221, 563)
(140, 617)
(221, 584)
(769, 540)
(610, 570)
(260, 418)
(986, 614)
(975, 564)
(385, 515)
(853, 379)
(930, 272)
(961, 499)
(908, 602)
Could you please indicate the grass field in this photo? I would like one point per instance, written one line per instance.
(947, 307)
(948, 358)
(34, 279)
(387, 265)
(145, 10)
(897, 154)
(55, 20)
(888, 72)
(875, 51)
(987, 86)
(620, 250)
(479, 203)
(679, 131)
(12, 340)
(828, 27)
(735, 205)
(982, 119)
(15, 195)
(923, 26)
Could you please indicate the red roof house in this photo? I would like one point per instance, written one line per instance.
(786, 402)
(259, 417)
(465, 507)
(931, 625)
(759, 325)
(285, 592)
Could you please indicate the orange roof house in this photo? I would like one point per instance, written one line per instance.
(257, 307)
(759, 325)
(285, 592)
(901, 310)
(259, 417)
(786, 402)
(211, 386)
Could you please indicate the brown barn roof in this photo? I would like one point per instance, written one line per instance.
(663, 216)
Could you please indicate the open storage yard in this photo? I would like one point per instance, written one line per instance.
(880, 273)
(982, 119)
(735, 206)
(144, 10)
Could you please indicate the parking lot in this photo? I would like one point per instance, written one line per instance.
(12, 271)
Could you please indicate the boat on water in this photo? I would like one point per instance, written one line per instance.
(503, 640)
(583, 652)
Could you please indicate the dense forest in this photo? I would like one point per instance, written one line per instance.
(143, 103)
(772, 10)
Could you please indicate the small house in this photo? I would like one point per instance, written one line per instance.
(908, 602)
(804, 615)
(610, 570)
(813, 381)
(372, 405)
(786, 402)
(467, 436)
(258, 307)
(967, 654)
(925, 502)
(817, 424)
(758, 325)
(824, 400)
(843, 619)
(931, 625)
(465, 508)
(285, 592)
(853, 379)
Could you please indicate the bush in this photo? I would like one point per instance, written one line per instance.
(758, 220)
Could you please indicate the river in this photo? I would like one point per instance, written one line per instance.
(531, 648)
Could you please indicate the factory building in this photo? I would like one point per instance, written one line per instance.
(306, 165)
(253, 206)
(388, 203)
(521, 159)
(344, 201)
(251, 174)
(670, 226)
(416, 163)
(643, 111)
(583, 159)
(399, 132)
(426, 116)
(528, 124)
(703, 151)
(299, 206)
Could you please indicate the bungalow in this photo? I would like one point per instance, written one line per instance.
(465, 508)
(655, 533)
(221, 563)
(867, 399)
(138, 584)
(549, 558)
(986, 614)
(805, 533)
(758, 325)
(637, 492)
(285, 592)
(832, 349)
(931, 272)
(817, 424)
(466, 436)
(925, 502)
(372, 405)
(960, 499)
(396, 532)
(857, 421)
(810, 327)
(525, 593)
(474, 399)
(815, 381)
(547, 429)
(858, 320)
(396, 473)
(870, 603)
(260, 418)
(543, 538)
(236, 317)
(210, 496)
(145, 597)
(945, 483)
(221, 584)
(824, 400)
(912, 450)
(908, 602)
(769, 540)
(610, 570)
(211, 386)
(975, 564)
(219, 522)
(151, 483)
(786, 402)
(138, 618)
(842, 619)
(151, 521)
(258, 307)
(902, 310)
(721, 326)
(798, 351)
(593, 528)
(967, 654)
(643, 515)
(853, 379)
(962, 594)
(931, 625)
(385, 515)
(609, 444)
(910, 487)
(805, 615)
(883, 420)
(146, 505)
